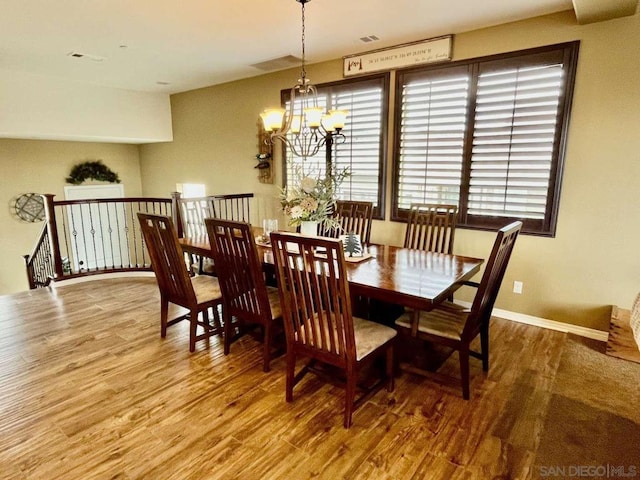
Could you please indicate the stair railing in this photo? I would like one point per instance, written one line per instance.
(88, 237)
(39, 263)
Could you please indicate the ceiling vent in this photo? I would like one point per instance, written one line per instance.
(280, 63)
(370, 38)
(86, 56)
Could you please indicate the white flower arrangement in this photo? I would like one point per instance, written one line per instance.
(312, 198)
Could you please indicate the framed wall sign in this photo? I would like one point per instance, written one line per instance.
(415, 53)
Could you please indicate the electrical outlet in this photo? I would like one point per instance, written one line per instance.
(517, 287)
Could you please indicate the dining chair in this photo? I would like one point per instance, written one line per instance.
(246, 296)
(318, 321)
(431, 227)
(456, 327)
(194, 210)
(353, 217)
(197, 294)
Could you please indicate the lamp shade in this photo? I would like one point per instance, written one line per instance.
(272, 118)
(313, 116)
(338, 118)
(296, 123)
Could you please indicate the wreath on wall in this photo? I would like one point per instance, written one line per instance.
(95, 170)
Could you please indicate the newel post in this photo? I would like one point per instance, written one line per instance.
(175, 212)
(52, 230)
(29, 267)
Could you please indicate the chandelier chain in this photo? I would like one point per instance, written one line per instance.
(304, 72)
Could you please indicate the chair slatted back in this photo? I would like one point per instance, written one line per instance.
(193, 211)
(167, 260)
(239, 269)
(354, 217)
(431, 227)
(491, 279)
(314, 294)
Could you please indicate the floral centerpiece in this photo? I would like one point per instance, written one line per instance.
(312, 198)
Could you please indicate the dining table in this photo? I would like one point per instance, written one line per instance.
(415, 279)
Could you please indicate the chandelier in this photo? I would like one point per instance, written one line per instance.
(305, 127)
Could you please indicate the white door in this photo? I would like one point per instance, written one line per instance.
(96, 240)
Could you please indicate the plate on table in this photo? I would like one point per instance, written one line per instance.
(354, 259)
(263, 241)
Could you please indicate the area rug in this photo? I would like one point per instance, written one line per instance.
(621, 342)
(592, 423)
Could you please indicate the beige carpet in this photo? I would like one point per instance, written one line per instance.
(621, 342)
(593, 417)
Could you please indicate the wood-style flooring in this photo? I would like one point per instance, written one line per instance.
(89, 390)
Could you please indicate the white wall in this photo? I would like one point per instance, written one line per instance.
(41, 107)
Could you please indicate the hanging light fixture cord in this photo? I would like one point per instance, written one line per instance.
(303, 80)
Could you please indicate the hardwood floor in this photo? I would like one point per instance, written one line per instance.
(89, 390)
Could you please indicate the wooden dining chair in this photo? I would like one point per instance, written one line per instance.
(456, 327)
(197, 294)
(246, 296)
(431, 227)
(353, 217)
(193, 210)
(318, 322)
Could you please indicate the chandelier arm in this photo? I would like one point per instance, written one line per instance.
(302, 145)
(289, 116)
(338, 138)
(312, 91)
(306, 145)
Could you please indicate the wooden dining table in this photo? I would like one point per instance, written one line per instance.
(411, 278)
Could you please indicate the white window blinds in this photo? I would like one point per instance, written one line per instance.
(513, 141)
(432, 133)
(487, 135)
(362, 152)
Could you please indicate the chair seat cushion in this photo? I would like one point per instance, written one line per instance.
(206, 288)
(634, 320)
(274, 302)
(207, 267)
(370, 336)
(445, 321)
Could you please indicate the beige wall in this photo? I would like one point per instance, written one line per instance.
(593, 261)
(41, 167)
(215, 140)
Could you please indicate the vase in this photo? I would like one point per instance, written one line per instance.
(309, 228)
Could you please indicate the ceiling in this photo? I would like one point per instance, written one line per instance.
(195, 43)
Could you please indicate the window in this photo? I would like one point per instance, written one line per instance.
(191, 190)
(363, 151)
(486, 134)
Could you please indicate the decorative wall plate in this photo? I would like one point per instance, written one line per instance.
(30, 207)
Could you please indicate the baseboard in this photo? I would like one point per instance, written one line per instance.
(88, 278)
(497, 312)
(546, 323)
